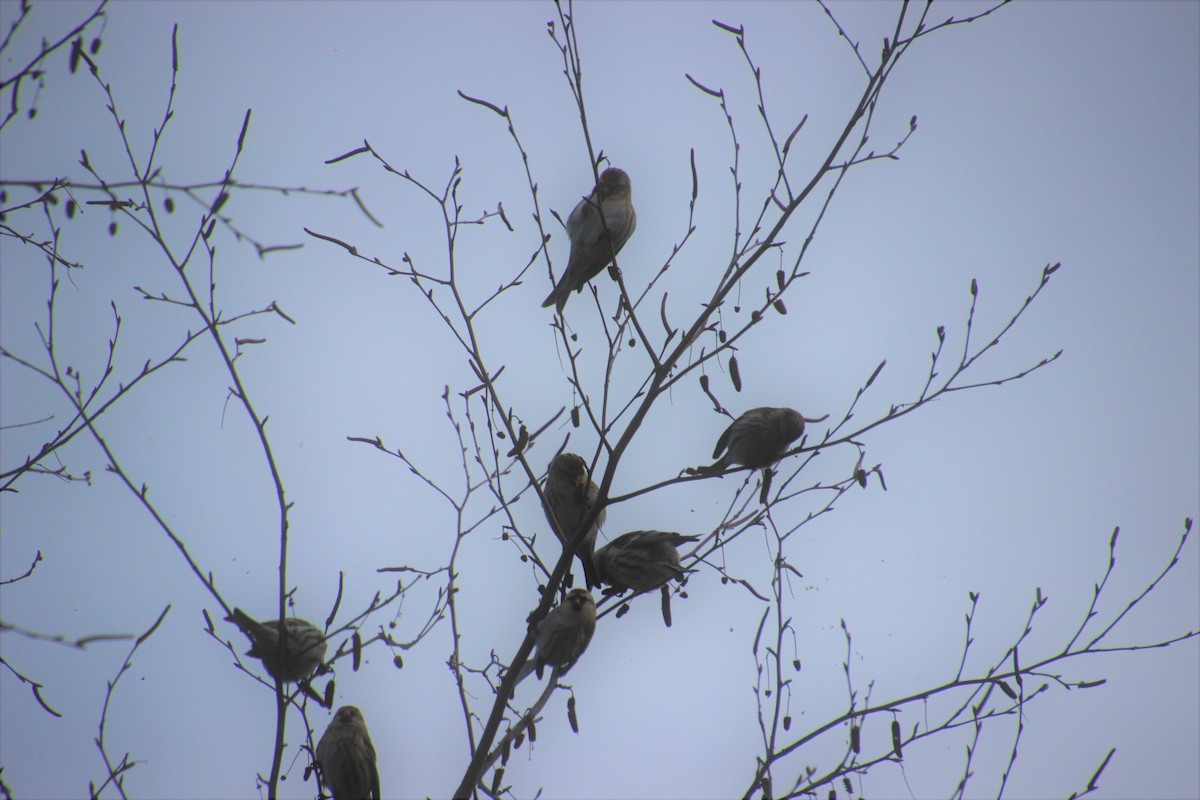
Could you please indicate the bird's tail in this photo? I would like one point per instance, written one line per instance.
(557, 298)
(590, 576)
(528, 667)
(242, 620)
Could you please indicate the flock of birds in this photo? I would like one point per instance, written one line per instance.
(292, 649)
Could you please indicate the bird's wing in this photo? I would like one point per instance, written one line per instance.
(622, 220)
(583, 226)
(375, 793)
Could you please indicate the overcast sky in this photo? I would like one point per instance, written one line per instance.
(1048, 132)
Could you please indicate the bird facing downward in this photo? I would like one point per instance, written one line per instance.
(595, 239)
(291, 650)
(347, 758)
(570, 494)
(758, 438)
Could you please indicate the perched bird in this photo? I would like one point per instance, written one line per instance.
(346, 757)
(641, 560)
(564, 634)
(570, 493)
(594, 241)
(291, 650)
(758, 438)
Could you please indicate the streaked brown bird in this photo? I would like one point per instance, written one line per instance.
(596, 239)
(758, 438)
(570, 494)
(346, 757)
(291, 650)
(641, 560)
(563, 635)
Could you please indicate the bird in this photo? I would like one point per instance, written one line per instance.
(758, 438)
(290, 649)
(641, 560)
(570, 494)
(563, 635)
(598, 228)
(346, 757)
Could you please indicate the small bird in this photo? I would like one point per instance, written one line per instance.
(570, 494)
(759, 438)
(595, 240)
(642, 560)
(346, 757)
(563, 635)
(291, 650)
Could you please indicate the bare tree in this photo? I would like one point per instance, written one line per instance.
(627, 347)
(640, 335)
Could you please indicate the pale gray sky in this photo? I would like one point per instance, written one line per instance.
(1047, 132)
